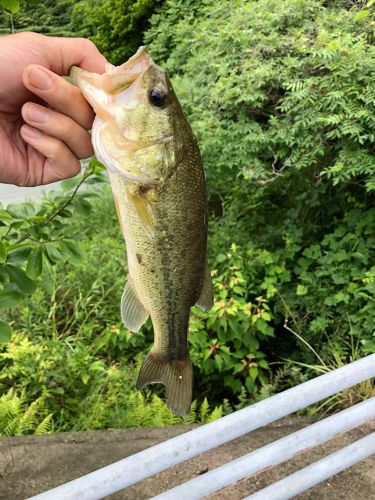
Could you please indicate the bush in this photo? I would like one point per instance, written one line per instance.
(274, 87)
(280, 95)
(115, 26)
(69, 350)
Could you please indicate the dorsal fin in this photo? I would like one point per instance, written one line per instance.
(206, 298)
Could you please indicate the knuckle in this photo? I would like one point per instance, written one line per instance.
(72, 167)
(30, 36)
(86, 118)
(87, 44)
(57, 149)
(81, 112)
(72, 132)
(87, 152)
(75, 167)
(79, 141)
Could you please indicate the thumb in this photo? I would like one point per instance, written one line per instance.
(64, 53)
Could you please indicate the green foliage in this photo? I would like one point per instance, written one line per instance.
(69, 344)
(151, 411)
(225, 342)
(49, 17)
(10, 6)
(17, 417)
(5, 332)
(280, 95)
(34, 236)
(286, 86)
(81, 389)
(115, 26)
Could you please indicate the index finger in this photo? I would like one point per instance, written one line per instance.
(58, 93)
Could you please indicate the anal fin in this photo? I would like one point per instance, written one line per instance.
(176, 376)
(133, 313)
(206, 298)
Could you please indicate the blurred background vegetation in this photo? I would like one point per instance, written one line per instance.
(281, 95)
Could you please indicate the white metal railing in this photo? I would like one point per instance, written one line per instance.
(318, 471)
(135, 468)
(273, 454)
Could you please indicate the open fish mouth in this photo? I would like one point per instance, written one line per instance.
(134, 66)
(119, 96)
(98, 88)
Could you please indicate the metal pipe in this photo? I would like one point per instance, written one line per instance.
(273, 454)
(135, 468)
(318, 471)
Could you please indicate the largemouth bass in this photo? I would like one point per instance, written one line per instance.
(143, 138)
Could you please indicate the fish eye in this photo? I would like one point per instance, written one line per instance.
(157, 97)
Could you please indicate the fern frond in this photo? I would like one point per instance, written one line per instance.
(215, 414)
(203, 410)
(17, 418)
(45, 426)
(192, 417)
(28, 420)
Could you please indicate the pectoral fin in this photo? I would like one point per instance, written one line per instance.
(133, 313)
(144, 211)
(206, 298)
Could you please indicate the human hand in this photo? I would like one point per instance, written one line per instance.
(44, 120)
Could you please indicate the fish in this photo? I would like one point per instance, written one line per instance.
(151, 154)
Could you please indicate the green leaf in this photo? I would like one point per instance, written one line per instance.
(301, 290)
(73, 251)
(35, 263)
(263, 327)
(11, 6)
(18, 276)
(5, 215)
(263, 363)
(9, 298)
(233, 383)
(219, 362)
(82, 206)
(369, 346)
(5, 332)
(238, 367)
(53, 252)
(19, 255)
(70, 184)
(249, 383)
(363, 14)
(3, 273)
(96, 165)
(3, 252)
(220, 258)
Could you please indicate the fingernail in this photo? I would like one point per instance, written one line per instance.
(37, 114)
(31, 132)
(39, 78)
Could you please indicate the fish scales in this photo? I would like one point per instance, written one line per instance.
(158, 186)
(168, 269)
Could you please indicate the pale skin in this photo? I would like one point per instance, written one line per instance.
(44, 120)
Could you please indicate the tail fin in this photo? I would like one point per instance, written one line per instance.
(177, 376)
